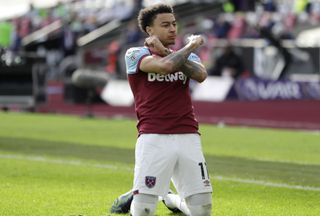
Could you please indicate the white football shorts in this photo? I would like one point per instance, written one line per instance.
(162, 157)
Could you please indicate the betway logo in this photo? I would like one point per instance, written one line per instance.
(167, 78)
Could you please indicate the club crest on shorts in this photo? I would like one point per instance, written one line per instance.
(150, 181)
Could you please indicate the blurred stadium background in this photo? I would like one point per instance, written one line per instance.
(263, 58)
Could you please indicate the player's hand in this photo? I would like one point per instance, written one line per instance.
(195, 40)
(155, 45)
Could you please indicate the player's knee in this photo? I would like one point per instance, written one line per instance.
(200, 204)
(143, 205)
(200, 210)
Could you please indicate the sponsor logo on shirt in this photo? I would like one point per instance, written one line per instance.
(152, 77)
(132, 54)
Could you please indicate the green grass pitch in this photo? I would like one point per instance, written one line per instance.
(71, 166)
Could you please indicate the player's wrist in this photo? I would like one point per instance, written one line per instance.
(167, 51)
(191, 46)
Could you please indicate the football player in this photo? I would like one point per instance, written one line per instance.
(168, 146)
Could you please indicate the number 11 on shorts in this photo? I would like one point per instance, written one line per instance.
(204, 170)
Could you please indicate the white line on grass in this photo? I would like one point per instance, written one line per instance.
(63, 162)
(113, 167)
(268, 184)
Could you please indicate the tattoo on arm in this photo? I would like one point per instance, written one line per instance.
(191, 69)
(180, 62)
(178, 58)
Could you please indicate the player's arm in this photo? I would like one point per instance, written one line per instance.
(194, 70)
(173, 61)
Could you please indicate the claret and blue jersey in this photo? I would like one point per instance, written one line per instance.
(162, 102)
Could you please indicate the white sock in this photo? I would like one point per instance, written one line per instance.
(174, 201)
(143, 205)
(200, 204)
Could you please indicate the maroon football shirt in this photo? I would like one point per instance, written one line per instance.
(162, 102)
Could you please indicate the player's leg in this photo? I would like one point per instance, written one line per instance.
(174, 203)
(195, 205)
(199, 204)
(154, 164)
(122, 204)
(143, 205)
(191, 177)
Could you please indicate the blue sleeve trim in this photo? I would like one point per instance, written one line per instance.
(133, 58)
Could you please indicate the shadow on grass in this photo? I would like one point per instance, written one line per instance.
(218, 165)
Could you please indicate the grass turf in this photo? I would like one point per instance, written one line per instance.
(60, 165)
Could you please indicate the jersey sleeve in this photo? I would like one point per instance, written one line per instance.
(133, 57)
(193, 57)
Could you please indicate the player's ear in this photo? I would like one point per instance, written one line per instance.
(149, 30)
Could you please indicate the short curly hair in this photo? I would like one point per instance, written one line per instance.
(147, 15)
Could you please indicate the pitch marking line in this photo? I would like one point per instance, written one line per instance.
(63, 162)
(268, 184)
(112, 167)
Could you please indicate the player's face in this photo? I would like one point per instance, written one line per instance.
(164, 27)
